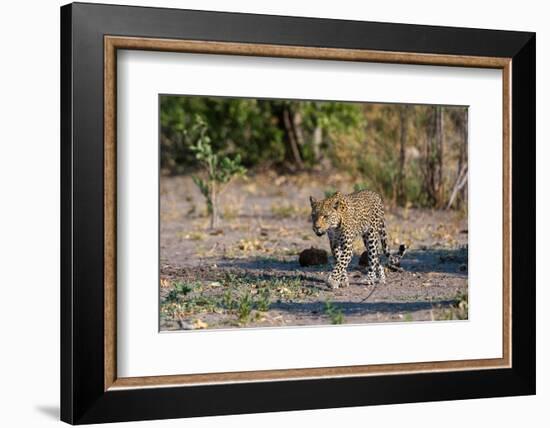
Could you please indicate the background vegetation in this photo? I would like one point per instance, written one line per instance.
(414, 155)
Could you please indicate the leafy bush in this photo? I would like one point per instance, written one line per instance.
(219, 170)
(409, 154)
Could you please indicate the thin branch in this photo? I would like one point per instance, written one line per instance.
(461, 180)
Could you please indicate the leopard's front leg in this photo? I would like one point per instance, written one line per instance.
(341, 246)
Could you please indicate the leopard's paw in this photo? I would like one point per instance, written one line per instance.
(333, 283)
(370, 278)
(344, 282)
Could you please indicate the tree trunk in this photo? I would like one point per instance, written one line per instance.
(464, 154)
(317, 140)
(434, 185)
(439, 147)
(403, 116)
(292, 138)
(429, 156)
(297, 127)
(214, 204)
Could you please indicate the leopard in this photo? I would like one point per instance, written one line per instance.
(343, 218)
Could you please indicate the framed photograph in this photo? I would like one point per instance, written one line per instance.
(266, 213)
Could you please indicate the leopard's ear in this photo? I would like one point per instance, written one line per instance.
(337, 195)
(312, 200)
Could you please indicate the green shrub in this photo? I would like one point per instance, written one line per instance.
(219, 170)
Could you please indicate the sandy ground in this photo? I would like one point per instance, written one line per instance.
(246, 273)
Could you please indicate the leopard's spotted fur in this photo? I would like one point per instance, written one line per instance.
(345, 217)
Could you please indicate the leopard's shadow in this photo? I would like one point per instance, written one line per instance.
(360, 308)
(265, 268)
(451, 261)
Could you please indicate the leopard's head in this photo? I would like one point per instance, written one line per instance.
(326, 213)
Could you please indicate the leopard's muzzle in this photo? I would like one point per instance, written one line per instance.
(318, 231)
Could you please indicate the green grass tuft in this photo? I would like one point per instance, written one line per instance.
(334, 313)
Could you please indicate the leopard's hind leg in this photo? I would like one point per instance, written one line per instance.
(375, 270)
(384, 239)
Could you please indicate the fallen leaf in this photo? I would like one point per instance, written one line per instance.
(199, 324)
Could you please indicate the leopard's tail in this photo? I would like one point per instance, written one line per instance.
(394, 260)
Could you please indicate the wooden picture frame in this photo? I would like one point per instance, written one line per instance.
(91, 390)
